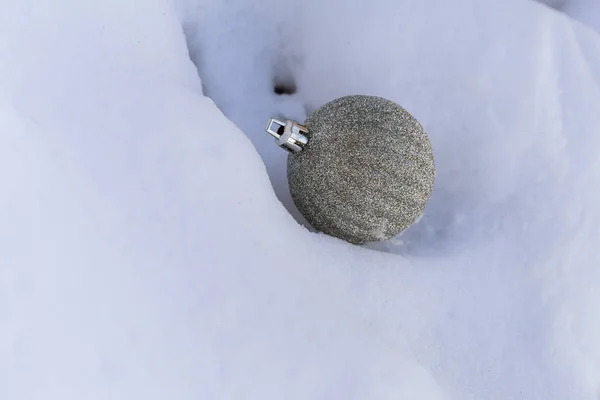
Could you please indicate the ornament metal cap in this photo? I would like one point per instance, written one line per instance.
(289, 134)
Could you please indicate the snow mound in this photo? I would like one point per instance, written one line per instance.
(144, 254)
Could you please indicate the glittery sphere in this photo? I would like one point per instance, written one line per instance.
(367, 171)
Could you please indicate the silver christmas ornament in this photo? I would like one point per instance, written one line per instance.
(361, 168)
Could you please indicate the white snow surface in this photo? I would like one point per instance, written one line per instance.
(146, 254)
(586, 11)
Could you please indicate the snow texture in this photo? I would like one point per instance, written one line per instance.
(146, 254)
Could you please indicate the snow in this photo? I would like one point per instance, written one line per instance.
(585, 11)
(147, 250)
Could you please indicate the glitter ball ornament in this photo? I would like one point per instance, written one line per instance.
(361, 168)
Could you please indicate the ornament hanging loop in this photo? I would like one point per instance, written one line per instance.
(289, 134)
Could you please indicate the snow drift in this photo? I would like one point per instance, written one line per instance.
(144, 253)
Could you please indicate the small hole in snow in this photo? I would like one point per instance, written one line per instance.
(284, 87)
(284, 81)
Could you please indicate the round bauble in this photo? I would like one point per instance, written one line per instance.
(363, 169)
